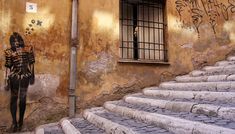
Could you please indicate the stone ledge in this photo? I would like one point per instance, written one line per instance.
(143, 62)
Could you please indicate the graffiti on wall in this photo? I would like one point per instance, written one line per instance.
(205, 11)
(31, 26)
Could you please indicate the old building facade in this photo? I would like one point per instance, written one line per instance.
(124, 46)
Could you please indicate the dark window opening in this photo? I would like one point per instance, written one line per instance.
(142, 30)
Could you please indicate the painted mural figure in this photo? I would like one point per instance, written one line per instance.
(20, 73)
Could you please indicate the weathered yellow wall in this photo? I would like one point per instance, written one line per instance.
(100, 76)
(51, 44)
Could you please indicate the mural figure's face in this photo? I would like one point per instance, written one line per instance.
(16, 42)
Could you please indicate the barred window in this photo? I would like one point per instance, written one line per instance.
(142, 30)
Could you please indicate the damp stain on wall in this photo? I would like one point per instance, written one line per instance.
(229, 27)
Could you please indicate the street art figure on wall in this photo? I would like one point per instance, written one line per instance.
(20, 73)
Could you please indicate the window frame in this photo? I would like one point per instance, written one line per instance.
(145, 60)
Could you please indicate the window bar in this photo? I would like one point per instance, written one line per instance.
(145, 21)
(164, 40)
(154, 35)
(138, 24)
(127, 38)
(135, 38)
(149, 34)
(143, 28)
(159, 38)
(122, 17)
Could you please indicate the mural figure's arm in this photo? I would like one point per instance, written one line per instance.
(8, 66)
(31, 65)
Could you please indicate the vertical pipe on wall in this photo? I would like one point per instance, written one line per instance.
(73, 59)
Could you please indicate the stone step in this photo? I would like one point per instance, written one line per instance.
(200, 86)
(208, 68)
(212, 71)
(53, 128)
(105, 124)
(227, 97)
(210, 78)
(221, 103)
(231, 58)
(68, 128)
(218, 69)
(185, 106)
(196, 73)
(224, 63)
(176, 122)
(86, 127)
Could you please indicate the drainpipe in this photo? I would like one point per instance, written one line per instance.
(73, 59)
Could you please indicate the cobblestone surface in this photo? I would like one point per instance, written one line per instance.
(184, 115)
(136, 126)
(53, 130)
(199, 101)
(86, 127)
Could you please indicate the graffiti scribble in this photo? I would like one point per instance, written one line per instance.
(231, 6)
(180, 5)
(30, 29)
(197, 14)
(208, 11)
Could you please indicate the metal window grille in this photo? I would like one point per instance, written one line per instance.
(142, 30)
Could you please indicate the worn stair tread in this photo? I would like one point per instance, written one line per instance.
(227, 97)
(213, 71)
(224, 63)
(217, 121)
(191, 100)
(231, 58)
(86, 127)
(209, 78)
(200, 86)
(206, 68)
(55, 129)
(137, 126)
(105, 124)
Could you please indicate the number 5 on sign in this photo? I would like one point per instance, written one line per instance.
(31, 7)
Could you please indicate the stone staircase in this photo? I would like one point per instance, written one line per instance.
(202, 102)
